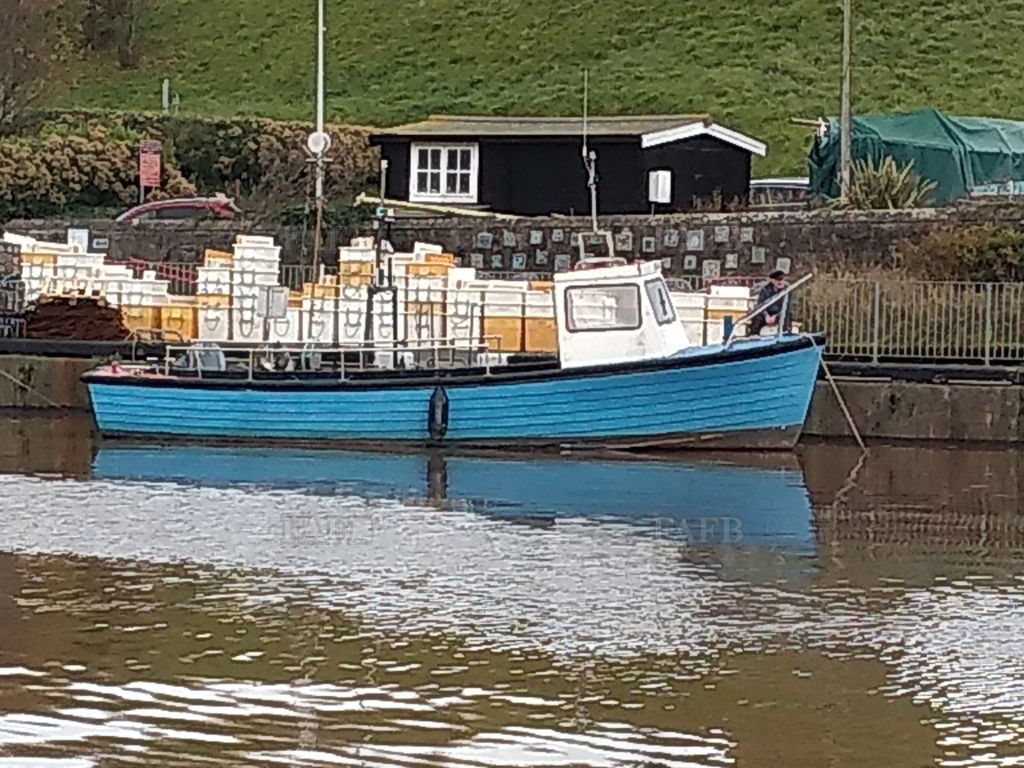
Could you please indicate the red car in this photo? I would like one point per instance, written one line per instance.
(182, 209)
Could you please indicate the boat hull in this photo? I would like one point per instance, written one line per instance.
(753, 396)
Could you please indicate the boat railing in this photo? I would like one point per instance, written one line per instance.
(343, 360)
(781, 296)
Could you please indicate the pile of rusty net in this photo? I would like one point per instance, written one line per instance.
(74, 317)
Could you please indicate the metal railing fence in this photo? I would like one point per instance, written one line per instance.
(871, 320)
(916, 320)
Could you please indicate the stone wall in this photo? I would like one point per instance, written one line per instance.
(693, 245)
(896, 411)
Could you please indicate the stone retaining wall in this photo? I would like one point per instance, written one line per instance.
(694, 245)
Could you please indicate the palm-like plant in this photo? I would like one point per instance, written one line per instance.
(886, 185)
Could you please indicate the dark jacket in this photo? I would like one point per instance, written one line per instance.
(775, 310)
(765, 295)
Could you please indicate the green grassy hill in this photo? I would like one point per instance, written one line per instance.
(753, 64)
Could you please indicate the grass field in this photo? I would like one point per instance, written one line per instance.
(753, 64)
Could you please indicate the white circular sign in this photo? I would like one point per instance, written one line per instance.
(318, 142)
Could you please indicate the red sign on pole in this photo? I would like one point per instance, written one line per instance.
(149, 164)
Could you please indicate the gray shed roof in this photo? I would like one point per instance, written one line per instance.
(480, 125)
(652, 130)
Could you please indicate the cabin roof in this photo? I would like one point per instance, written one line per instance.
(652, 130)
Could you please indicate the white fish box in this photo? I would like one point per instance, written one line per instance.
(214, 274)
(80, 260)
(246, 326)
(114, 287)
(316, 304)
(459, 275)
(254, 239)
(32, 289)
(214, 323)
(421, 250)
(730, 291)
(356, 253)
(254, 276)
(425, 290)
(132, 295)
(257, 253)
(322, 318)
(288, 330)
(320, 327)
(257, 265)
(351, 323)
(117, 273)
(245, 292)
(211, 287)
(540, 304)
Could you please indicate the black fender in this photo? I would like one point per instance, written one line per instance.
(437, 414)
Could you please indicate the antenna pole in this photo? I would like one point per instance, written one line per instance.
(589, 157)
(586, 90)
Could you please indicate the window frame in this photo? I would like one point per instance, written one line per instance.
(444, 147)
(672, 317)
(567, 299)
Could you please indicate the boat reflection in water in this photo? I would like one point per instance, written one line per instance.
(703, 501)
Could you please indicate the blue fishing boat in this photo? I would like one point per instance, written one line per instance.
(626, 377)
(762, 503)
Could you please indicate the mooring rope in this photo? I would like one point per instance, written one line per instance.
(841, 400)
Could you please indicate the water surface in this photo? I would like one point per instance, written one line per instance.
(216, 607)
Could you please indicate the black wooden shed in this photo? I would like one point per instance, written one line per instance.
(533, 166)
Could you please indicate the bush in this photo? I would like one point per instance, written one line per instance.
(56, 172)
(986, 252)
(262, 163)
(886, 186)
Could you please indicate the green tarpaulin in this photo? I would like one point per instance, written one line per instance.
(963, 155)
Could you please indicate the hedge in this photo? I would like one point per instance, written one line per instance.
(68, 163)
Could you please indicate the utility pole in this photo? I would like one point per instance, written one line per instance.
(846, 108)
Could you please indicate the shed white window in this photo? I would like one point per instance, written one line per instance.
(444, 173)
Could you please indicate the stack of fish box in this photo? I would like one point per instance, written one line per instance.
(733, 301)
(540, 328)
(691, 310)
(38, 262)
(12, 289)
(703, 314)
(62, 268)
(213, 296)
(347, 326)
(256, 263)
(420, 279)
(423, 283)
(142, 301)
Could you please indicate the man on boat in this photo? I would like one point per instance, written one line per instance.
(771, 317)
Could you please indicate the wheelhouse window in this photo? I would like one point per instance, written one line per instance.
(445, 173)
(661, 301)
(602, 308)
